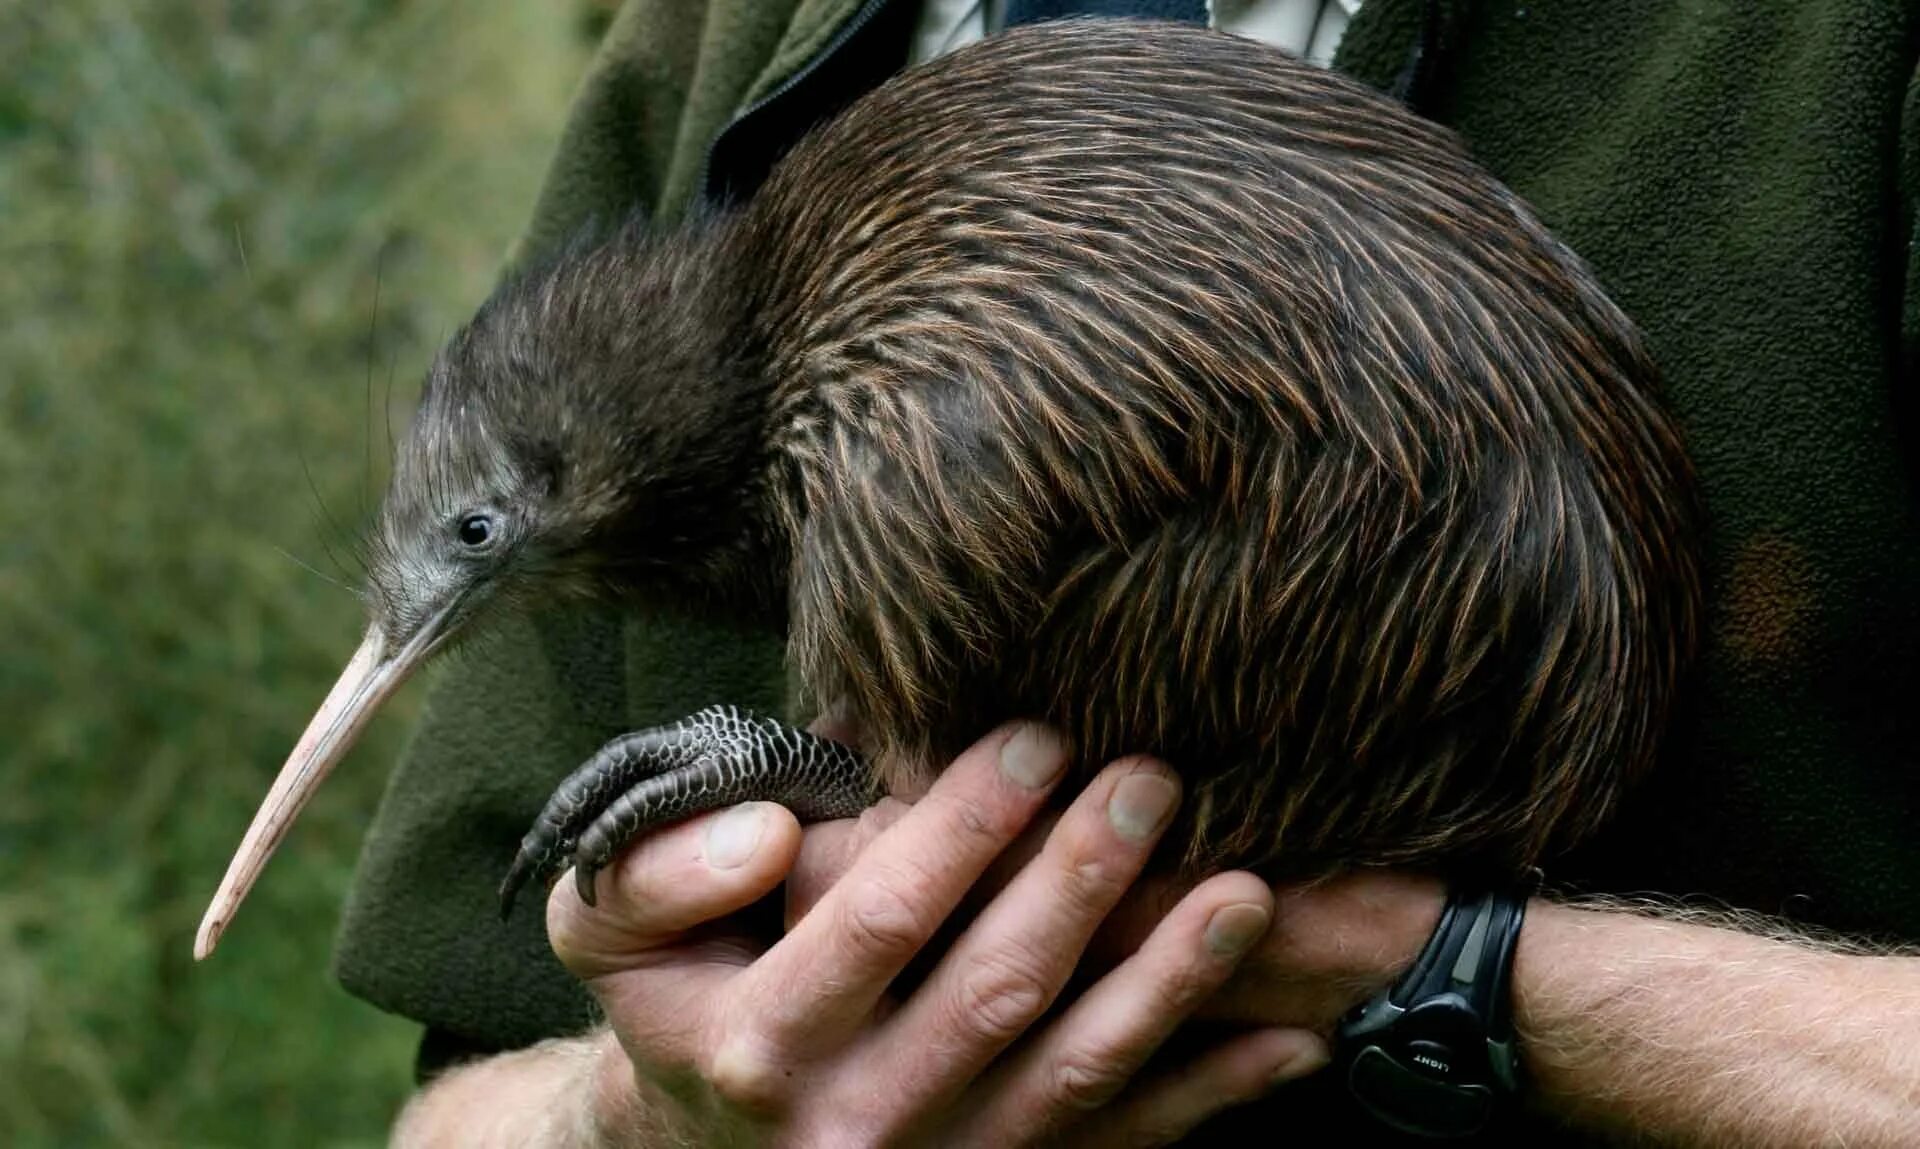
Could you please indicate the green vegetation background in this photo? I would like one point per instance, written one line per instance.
(198, 202)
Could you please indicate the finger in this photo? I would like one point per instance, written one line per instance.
(1134, 920)
(669, 882)
(1008, 967)
(829, 850)
(823, 980)
(1086, 1057)
(1163, 1109)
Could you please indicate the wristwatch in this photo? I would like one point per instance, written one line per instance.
(1434, 1055)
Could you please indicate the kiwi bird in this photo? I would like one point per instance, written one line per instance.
(1130, 377)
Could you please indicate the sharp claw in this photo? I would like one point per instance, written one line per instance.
(517, 876)
(716, 757)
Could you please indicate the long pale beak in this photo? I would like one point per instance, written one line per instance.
(370, 679)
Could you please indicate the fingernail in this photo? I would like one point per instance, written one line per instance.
(1033, 757)
(1232, 930)
(735, 835)
(1141, 804)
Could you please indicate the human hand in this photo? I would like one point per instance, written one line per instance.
(1333, 944)
(803, 1044)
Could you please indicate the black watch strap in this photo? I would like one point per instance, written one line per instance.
(1434, 1055)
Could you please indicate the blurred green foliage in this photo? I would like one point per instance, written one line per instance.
(198, 202)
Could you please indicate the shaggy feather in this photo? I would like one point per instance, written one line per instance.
(1148, 382)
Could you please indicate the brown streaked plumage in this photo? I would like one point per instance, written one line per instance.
(1132, 377)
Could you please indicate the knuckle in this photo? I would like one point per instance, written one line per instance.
(1183, 985)
(972, 823)
(1085, 1080)
(1086, 880)
(976, 825)
(882, 920)
(1091, 884)
(878, 818)
(999, 995)
(744, 1073)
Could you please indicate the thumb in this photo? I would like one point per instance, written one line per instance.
(687, 875)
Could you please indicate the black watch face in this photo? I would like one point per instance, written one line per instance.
(1405, 1095)
(1425, 1057)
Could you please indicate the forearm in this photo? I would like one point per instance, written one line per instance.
(1694, 1035)
(571, 1093)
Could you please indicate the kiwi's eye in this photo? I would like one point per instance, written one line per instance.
(476, 530)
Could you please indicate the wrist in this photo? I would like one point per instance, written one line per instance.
(1361, 931)
(616, 1108)
(1333, 945)
(1434, 1053)
(610, 1082)
(565, 1093)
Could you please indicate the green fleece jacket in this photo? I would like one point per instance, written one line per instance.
(1740, 173)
